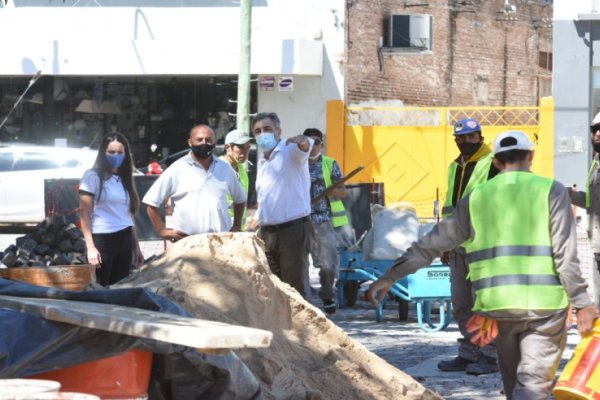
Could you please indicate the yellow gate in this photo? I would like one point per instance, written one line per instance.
(409, 148)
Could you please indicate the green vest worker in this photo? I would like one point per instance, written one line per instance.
(472, 167)
(237, 147)
(519, 232)
(511, 263)
(590, 201)
(338, 212)
(325, 214)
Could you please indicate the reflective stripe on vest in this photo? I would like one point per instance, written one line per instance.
(504, 251)
(338, 212)
(479, 175)
(504, 280)
(510, 254)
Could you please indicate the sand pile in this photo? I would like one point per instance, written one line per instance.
(225, 277)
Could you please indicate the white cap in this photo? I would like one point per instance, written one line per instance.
(237, 137)
(596, 119)
(520, 142)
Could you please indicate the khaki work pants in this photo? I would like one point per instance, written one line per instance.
(529, 353)
(462, 297)
(325, 257)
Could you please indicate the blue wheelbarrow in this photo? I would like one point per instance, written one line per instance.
(428, 285)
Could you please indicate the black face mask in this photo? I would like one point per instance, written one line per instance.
(203, 151)
(468, 149)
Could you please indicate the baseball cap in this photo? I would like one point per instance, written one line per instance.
(512, 140)
(466, 125)
(237, 137)
(313, 132)
(596, 119)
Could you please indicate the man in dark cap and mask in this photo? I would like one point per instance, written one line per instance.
(472, 167)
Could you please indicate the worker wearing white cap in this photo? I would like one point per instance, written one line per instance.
(519, 233)
(590, 200)
(237, 148)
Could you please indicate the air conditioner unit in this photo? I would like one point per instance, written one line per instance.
(410, 31)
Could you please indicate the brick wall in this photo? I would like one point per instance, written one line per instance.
(479, 57)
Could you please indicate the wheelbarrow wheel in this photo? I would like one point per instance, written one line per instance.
(402, 309)
(351, 292)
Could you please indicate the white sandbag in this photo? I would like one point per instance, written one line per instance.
(367, 244)
(394, 229)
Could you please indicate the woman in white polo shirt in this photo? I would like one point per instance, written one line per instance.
(108, 201)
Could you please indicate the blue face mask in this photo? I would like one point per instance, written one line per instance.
(266, 141)
(115, 160)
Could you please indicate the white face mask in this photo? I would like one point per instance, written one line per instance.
(266, 141)
(313, 158)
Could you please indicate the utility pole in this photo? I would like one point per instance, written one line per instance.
(243, 94)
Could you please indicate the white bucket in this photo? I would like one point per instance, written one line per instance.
(66, 396)
(16, 389)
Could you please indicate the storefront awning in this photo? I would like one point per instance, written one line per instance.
(157, 57)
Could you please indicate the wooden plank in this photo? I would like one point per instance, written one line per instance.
(192, 332)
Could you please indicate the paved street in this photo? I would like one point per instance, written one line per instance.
(407, 347)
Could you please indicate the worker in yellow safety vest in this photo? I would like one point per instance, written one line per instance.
(326, 213)
(519, 233)
(237, 148)
(339, 216)
(472, 167)
(590, 200)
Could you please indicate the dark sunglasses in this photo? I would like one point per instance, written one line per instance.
(595, 128)
(317, 141)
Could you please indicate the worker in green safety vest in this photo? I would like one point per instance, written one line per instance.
(472, 167)
(590, 200)
(326, 214)
(519, 233)
(237, 148)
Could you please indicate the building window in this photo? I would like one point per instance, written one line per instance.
(545, 60)
(409, 33)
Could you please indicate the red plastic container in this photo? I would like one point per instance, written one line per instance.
(580, 379)
(123, 376)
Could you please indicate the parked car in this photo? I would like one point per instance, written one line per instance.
(23, 169)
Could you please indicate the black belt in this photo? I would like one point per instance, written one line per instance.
(284, 225)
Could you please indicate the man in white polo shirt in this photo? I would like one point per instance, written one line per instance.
(198, 185)
(283, 193)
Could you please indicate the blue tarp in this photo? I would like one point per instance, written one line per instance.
(31, 345)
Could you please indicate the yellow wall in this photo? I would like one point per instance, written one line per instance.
(409, 149)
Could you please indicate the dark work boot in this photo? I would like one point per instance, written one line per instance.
(329, 306)
(456, 364)
(484, 365)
